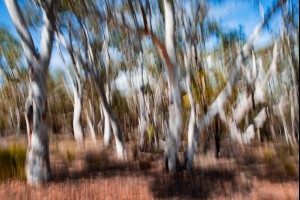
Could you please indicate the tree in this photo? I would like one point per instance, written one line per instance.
(217, 105)
(76, 84)
(12, 74)
(37, 159)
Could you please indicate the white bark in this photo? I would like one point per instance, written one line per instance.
(78, 134)
(285, 127)
(173, 138)
(19, 23)
(218, 104)
(76, 89)
(142, 106)
(106, 60)
(192, 127)
(121, 153)
(259, 121)
(158, 100)
(37, 159)
(246, 104)
(260, 91)
(107, 127)
(18, 116)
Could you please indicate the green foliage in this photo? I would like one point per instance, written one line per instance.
(12, 162)
(71, 6)
(10, 53)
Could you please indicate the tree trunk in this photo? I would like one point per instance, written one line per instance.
(37, 159)
(217, 105)
(107, 125)
(173, 138)
(113, 122)
(78, 134)
(141, 100)
(76, 88)
(121, 153)
(192, 128)
(18, 122)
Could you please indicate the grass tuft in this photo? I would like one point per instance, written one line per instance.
(12, 162)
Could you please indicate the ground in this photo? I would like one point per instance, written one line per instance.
(94, 172)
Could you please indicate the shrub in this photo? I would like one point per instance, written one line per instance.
(70, 157)
(268, 154)
(150, 131)
(289, 167)
(12, 162)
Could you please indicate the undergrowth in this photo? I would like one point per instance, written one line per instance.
(12, 162)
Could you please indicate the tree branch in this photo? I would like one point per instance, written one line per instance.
(47, 33)
(19, 22)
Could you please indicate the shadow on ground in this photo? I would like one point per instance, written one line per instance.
(207, 181)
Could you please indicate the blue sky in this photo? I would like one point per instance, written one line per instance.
(229, 13)
(232, 13)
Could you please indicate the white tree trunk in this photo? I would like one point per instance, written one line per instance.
(218, 104)
(78, 134)
(37, 159)
(142, 105)
(107, 127)
(76, 88)
(18, 122)
(192, 128)
(173, 138)
(106, 60)
(121, 153)
(110, 119)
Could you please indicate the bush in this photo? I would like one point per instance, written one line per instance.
(70, 157)
(12, 162)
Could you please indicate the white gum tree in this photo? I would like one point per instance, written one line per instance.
(168, 53)
(90, 67)
(86, 59)
(142, 104)
(173, 138)
(76, 84)
(106, 60)
(187, 58)
(37, 159)
(219, 102)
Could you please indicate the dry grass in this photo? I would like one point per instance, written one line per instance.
(95, 173)
(12, 162)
